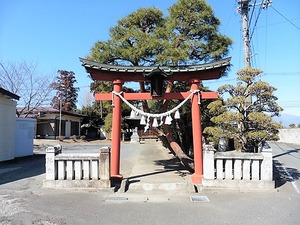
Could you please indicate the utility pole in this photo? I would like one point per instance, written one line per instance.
(60, 105)
(244, 9)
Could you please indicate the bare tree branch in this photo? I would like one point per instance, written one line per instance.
(25, 80)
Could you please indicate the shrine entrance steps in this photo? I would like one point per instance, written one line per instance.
(151, 167)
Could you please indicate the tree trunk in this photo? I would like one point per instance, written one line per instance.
(167, 137)
(173, 146)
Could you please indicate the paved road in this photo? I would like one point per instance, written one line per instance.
(287, 161)
(24, 201)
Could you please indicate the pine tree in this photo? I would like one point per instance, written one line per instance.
(249, 123)
(188, 35)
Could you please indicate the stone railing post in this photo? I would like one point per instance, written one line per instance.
(104, 165)
(208, 163)
(267, 164)
(50, 161)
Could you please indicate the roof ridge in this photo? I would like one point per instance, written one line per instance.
(185, 68)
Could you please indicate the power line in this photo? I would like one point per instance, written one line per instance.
(285, 18)
(284, 73)
(274, 24)
(266, 40)
(252, 13)
(257, 17)
(218, 81)
(232, 10)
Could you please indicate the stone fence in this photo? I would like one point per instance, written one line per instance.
(77, 170)
(238, 170)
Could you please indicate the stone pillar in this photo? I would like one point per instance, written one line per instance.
(246, 169)
(208, 163)
(70, 169)
(219, 167)
(50, 172)
(86, 169)
(116, 131)
(50, 161)
(255, 169)
(104, 166)
(94, 169)
(228, 169)
(237, 169)
(267, 165)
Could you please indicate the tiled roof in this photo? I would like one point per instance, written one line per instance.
(49, 110)
(146, 69)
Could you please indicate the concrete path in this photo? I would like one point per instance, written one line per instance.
(152, 167)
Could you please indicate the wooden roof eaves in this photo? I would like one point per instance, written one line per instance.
(141, 69)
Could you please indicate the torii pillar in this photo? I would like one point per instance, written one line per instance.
(197, 135)
(116, 131)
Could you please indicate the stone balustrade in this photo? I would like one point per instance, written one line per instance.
(237, 170)
(77, 170)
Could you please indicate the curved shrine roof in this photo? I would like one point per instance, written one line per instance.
(108, 72)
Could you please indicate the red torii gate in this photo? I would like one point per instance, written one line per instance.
(120, 74)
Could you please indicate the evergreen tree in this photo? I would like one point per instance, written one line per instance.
(249, 123)
(66, 94)
(188, 35)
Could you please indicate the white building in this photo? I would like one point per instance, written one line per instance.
(51, 123)
(8, 103)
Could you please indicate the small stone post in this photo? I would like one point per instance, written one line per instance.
(208, 163)
(267, 165)
(104, 166)
(50, 161)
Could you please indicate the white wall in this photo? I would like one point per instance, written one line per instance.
(24, 136)
(7, 128)
(290, 135)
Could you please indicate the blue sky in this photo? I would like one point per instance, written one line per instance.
(55, 33)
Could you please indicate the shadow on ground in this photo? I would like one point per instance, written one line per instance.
(287, 153)
(169, 166)
(282, 174)
(173, 164)
(21, 168)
